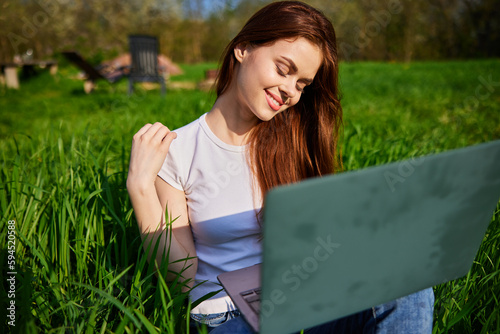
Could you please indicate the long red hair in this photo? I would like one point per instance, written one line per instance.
(300, 142)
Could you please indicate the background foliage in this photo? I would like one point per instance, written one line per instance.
(198, 30)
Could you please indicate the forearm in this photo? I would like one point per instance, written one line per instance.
(154, 229)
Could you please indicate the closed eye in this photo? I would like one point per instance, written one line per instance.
(280, 71)
(301, 85)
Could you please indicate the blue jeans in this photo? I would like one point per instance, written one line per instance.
(211, 321)
(410, 314)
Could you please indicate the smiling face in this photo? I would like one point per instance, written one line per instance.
(269, 79)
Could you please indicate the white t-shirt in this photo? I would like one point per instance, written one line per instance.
(221, 205)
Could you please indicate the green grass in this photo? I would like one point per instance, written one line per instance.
(194, 72)
(64, 157)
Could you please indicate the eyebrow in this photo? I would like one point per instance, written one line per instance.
(295, 69)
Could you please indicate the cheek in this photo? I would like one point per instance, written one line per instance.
(295, 100)
(248, 79)
(243, 83)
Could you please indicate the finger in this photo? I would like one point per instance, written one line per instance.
(160, 134)
(143, 130)
(153, 130)
(157, 132)
(168, 140)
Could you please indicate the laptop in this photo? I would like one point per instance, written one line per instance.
(340, 244)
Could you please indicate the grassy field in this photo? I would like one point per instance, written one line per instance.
(64, 157)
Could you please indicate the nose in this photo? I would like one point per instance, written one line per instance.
(289, 90)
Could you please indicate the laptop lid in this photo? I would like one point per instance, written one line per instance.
(340, 244)
(237, 282)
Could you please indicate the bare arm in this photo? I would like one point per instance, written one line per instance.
(150, 196)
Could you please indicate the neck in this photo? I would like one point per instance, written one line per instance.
(229, 123)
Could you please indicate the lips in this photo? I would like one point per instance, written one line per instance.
(274, 101)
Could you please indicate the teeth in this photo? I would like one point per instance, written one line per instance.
(274, 101)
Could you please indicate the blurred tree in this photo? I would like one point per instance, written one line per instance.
(198, 30)
(481, 21)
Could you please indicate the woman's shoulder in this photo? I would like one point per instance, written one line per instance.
(181, 154)
(190, 129)
(187, 136)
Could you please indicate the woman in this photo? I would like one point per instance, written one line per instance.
(275, 121)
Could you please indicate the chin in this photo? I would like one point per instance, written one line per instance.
(268, 115)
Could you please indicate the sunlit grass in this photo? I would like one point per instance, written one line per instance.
(64, 160)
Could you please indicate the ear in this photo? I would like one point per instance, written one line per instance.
(240, 52)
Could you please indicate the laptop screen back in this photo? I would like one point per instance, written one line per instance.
(340, 244)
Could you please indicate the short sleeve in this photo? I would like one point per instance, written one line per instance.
(171, 170)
